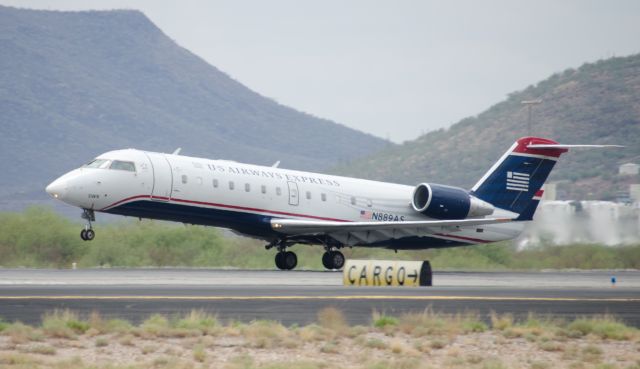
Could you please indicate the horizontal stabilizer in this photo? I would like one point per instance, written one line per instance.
(562, 146)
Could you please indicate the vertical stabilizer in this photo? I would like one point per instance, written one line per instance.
(514, 182)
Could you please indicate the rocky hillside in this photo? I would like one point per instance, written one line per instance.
(76, 84)
(597, 103)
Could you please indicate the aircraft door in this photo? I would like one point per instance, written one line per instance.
(293, 193)
(162, 177)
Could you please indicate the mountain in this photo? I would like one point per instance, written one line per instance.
(76, 84)
(598, 103)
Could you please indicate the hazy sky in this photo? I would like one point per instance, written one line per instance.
(395, 69)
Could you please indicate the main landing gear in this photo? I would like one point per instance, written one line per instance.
(287, 260)
(87, 234)
(333, 259)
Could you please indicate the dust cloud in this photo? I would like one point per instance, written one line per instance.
(593, 222)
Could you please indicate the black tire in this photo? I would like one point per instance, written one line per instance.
(426, 274)
(83, 234)
(89, 234)
(280, 260)
(326, 260)
(290, 260)
(337, 259)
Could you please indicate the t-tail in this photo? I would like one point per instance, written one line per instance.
(514, 182)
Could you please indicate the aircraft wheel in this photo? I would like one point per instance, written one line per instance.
(280, 260)
(337, 259)
(333, 260)
(89, 234)
(83, 234)
(290, 260)
(326, 260)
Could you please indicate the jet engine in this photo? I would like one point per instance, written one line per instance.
(445, 202)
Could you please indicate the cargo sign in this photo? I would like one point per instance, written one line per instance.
(387, 273)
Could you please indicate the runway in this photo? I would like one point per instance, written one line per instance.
(295, 297)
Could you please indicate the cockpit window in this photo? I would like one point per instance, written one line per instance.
(123, 165)
(98, 163)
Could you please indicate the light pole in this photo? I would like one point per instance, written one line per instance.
(530, 104)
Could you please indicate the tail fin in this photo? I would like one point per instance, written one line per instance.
(514, 182)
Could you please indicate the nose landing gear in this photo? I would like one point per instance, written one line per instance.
(87, 234)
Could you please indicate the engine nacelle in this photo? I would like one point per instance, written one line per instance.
(445, 202)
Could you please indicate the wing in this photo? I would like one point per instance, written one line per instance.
(352, 233)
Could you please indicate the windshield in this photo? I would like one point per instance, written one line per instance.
(123, 165)
(98, 163)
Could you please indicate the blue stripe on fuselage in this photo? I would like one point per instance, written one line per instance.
(251, 224)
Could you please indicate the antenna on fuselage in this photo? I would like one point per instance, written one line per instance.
(177, 152)
(276, 164)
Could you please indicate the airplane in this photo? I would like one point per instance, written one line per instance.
(286, 207)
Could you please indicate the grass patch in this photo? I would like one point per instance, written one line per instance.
(501, 322)
(264, 333)
(21, 333)
(199, 354)
(63, 324)
(198, 320)
(376, 343)
(330, 348)
(42, 350)
(381, 320)
(605, 327)
(398, 340)
(430, 323)
(332, 318)
(551, 346)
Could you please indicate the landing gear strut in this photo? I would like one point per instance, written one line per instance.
(333, 259)
(87, 234)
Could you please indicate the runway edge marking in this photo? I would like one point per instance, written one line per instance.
(346, 297)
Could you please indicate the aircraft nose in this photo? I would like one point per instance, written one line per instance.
(57, 188)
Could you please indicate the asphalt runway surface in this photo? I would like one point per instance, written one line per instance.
(295, 297)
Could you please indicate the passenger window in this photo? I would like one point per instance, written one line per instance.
(123, 165)
(247, 187)
(353, 200)
(215, 183)
(263, 189)
(184, 178)
(278, 191)
(308, 195)
(323, 197)
(231, 185)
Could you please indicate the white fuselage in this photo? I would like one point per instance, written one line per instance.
(245, 197)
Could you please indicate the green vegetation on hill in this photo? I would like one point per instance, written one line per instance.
(38, 237)
(594, 104)
(76, 84)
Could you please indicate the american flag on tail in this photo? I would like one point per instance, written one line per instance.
(517, 181)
